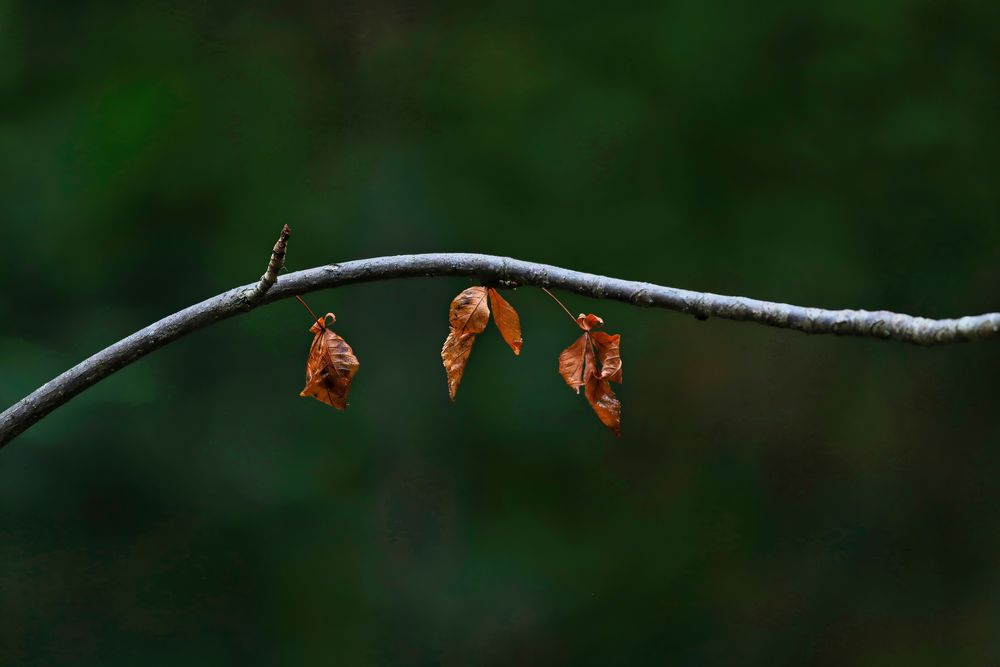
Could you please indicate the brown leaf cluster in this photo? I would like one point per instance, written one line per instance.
(594, 362)
(467, 318)
(331, 365)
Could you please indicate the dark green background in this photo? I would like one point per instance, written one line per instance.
(775, 498)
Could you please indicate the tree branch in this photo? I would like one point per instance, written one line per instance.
(489, 269)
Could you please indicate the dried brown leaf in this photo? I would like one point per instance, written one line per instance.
(608, 355)
(589, 322)
(469, 312)
(467, 317)
(455, 354)
(506, 320)
(593, 361)
(331, 366)
(604, 402)
(572, 361)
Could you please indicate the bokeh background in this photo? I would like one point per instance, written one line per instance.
(775, 498)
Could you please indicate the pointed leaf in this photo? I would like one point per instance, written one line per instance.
(572, 361)
(455, 354)
(506, 320)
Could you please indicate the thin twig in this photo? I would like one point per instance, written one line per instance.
(874, 324)
(274, 266)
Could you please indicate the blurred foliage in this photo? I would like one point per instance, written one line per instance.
(775, 498)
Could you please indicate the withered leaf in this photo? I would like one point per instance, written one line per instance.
(467, 317)
(469, 312)
(572, 363)
(608, 355)
(331, 365)
(506, 320)
(593, 361)
(606, 405)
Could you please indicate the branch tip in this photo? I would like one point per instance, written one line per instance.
(275, 265)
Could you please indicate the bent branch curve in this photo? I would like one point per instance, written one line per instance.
(489, 269)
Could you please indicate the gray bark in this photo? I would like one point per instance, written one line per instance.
(489, 270)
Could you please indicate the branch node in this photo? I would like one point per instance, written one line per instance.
(641, 297)
(496, 281)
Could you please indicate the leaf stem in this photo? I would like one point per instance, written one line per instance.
(561, 305)
(316, 319)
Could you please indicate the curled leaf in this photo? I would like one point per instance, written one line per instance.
(593, 361)
(589, 322)
(331, 366)
(606, 405)
(608, 355)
